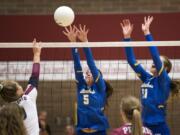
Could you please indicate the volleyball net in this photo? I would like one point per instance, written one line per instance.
(57, 88)
(54, 69)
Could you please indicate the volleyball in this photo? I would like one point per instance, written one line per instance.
(64, 16)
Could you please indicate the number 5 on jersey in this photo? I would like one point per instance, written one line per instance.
(86, 99)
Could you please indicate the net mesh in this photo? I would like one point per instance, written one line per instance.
(57, 88)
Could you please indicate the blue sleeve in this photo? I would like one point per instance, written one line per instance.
(154, 53)
(77, 67)
(162, 74)
(34, 79)
(95, 72)
(141, 73)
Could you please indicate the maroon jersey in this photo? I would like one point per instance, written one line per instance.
(126, 130)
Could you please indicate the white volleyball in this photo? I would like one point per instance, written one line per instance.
(64, 16)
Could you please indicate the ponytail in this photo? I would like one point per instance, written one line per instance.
(131, 107)
(175, 84)
(175, 87)
(137, 128)
(109, 91)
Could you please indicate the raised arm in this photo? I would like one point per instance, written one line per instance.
(31, 90)
(36, 64)
(97, 77)
(71, 34)
(153, 50)
(155, 53)
(77, 67)
(127, 29)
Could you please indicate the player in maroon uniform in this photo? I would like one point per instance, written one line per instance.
(131, 116)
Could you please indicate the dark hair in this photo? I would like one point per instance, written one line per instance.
(11, 119)
(167, 63)
(109, 89)
(8, 90)
(175, 84)
(175, 87)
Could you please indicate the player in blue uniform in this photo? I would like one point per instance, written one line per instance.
(156, 87)
(92, 91)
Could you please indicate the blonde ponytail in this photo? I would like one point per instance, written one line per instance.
(137, 128)
(131, 107)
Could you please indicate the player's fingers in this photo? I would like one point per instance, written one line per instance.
(65, 33)
(67, 30)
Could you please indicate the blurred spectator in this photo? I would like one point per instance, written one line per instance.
(43, 125)
(70, 130)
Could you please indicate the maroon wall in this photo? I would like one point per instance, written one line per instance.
(103, 27)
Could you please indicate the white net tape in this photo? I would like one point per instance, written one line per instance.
(91, 44)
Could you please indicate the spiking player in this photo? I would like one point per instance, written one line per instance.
(156, 88)
(11, 91)
(92, 92)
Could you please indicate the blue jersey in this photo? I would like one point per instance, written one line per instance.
(154, 90)
(90, 100)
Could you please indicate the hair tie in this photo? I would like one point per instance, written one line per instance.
(1, 87)
(134, 108)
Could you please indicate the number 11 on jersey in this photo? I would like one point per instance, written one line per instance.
(144, 93)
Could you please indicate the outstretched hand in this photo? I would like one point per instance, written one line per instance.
(127, 28)
(82, 33)
(36, 47)
(37, 51)
(71, 33)
(146, 25)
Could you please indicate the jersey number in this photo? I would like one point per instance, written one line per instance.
(86, 99)
(144, 93)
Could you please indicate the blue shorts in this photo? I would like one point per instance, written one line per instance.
(159, 129)
(95, 133)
